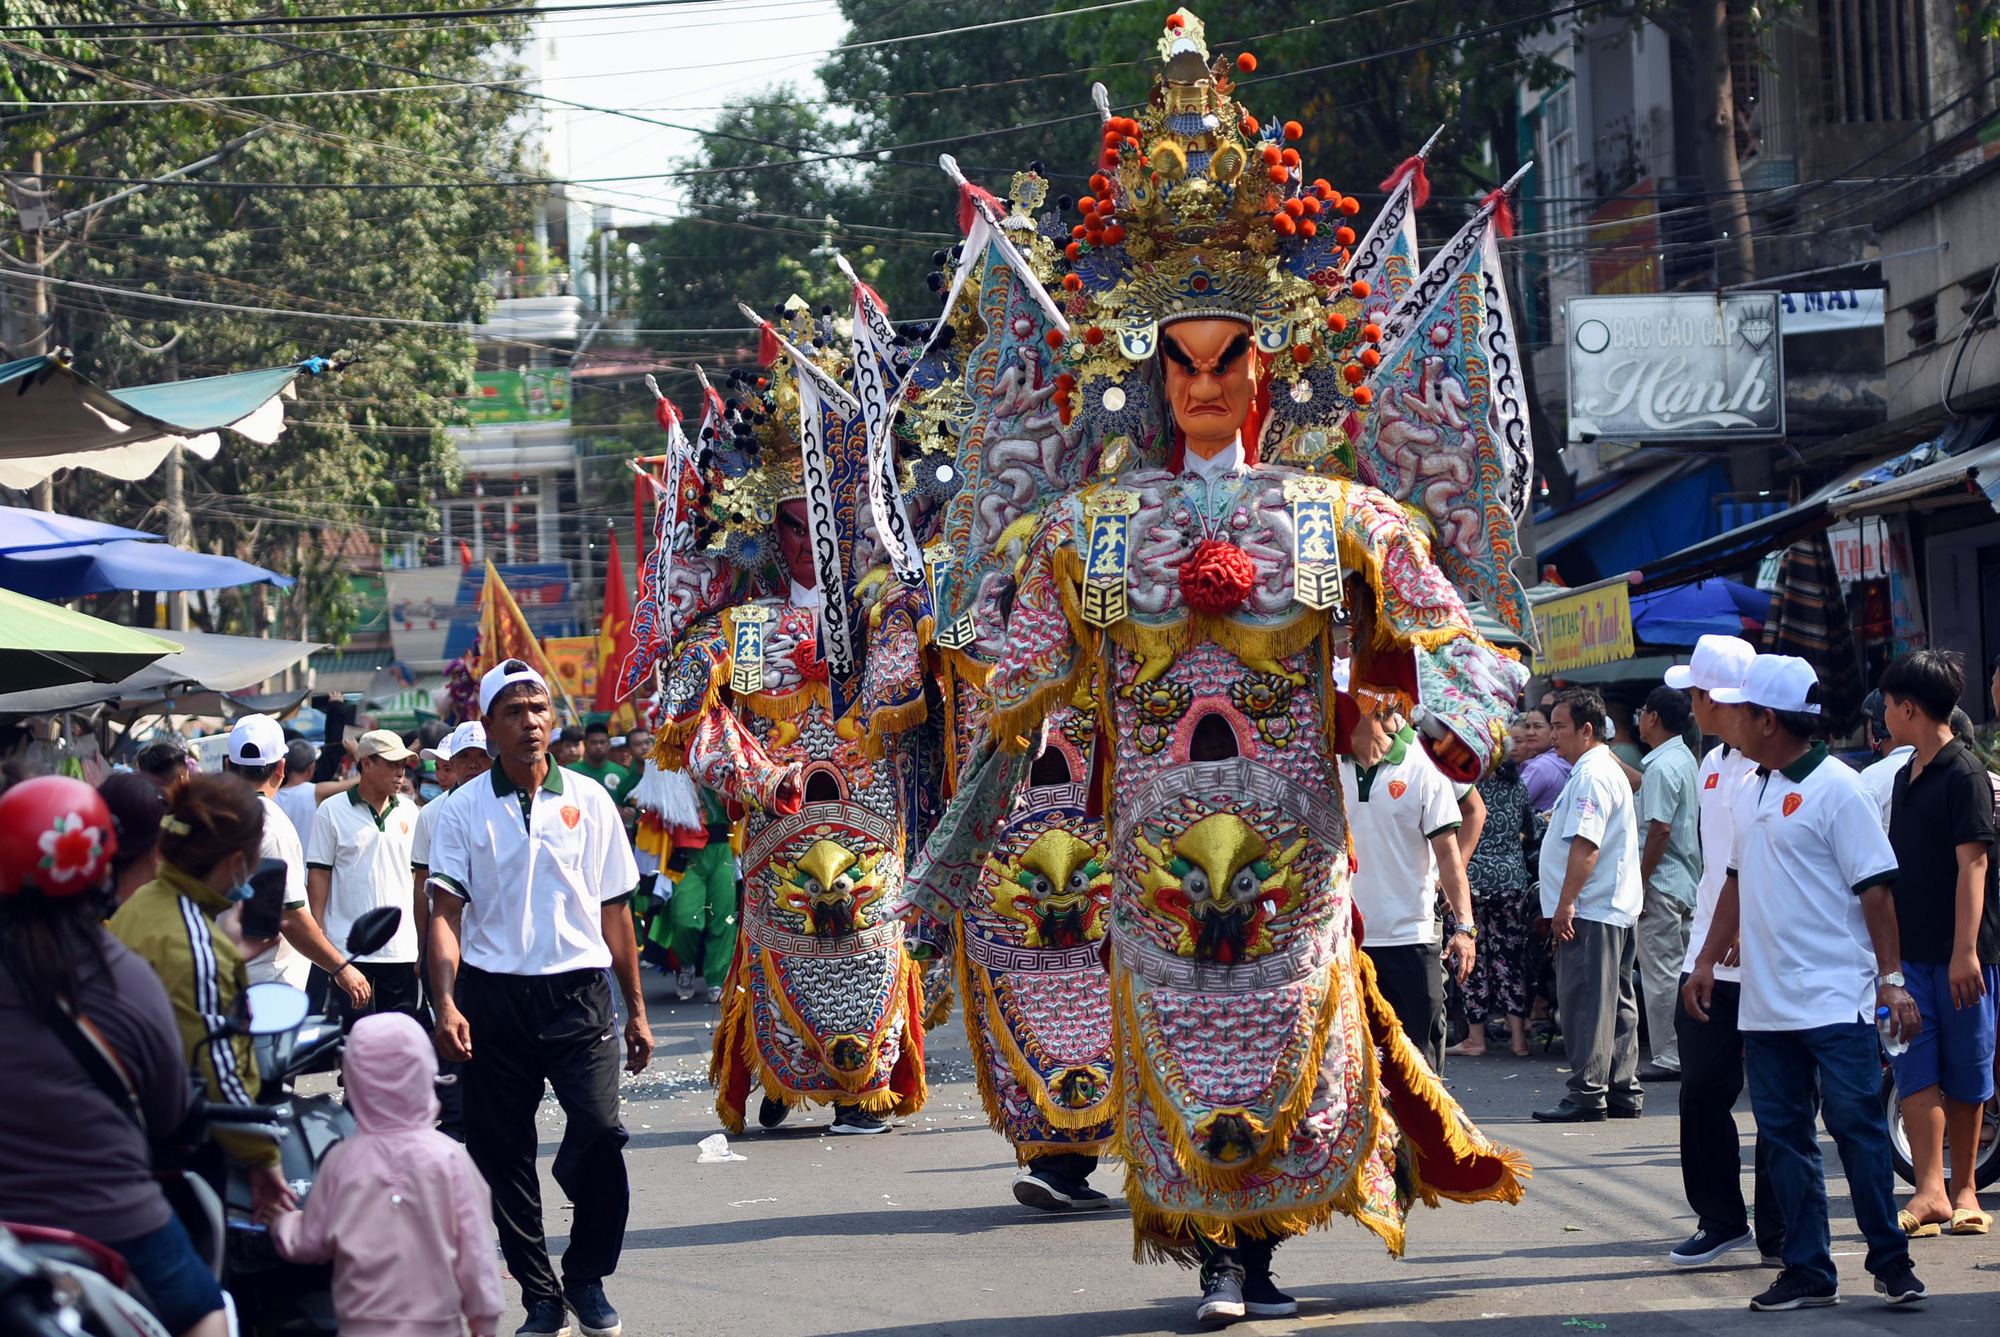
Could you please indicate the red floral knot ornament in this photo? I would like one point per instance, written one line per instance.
(805, 658)
(1217, 577)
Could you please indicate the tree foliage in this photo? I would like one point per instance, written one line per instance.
(366, 446)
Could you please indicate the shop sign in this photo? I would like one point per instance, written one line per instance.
(1674, 366)
(1592, 626)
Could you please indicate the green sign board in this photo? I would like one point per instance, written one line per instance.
(371, 604)
(519, 396)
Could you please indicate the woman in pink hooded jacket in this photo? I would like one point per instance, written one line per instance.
(398, 1207)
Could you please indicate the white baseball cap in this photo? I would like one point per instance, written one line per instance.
(1776, 682)
(504, 675)
(257, 740)
(1718, 661)
(467, 737)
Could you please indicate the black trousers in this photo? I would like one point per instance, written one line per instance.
(1412, 980)
(1711, 1151)
(395, 989)
(562, 1030)
(1068, 1169)
(1248, 1257)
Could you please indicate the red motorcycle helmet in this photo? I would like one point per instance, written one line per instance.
(56, 836)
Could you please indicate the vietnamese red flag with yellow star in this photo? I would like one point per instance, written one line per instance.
(614, 638)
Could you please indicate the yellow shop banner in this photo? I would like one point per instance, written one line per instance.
(1592, 626)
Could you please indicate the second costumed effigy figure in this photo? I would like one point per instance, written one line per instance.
(1178, 508)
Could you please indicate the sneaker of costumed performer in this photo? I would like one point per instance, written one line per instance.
(358, 859)
(1948, 921)
(531, 880)
(1808, 902)
(260, 757)
(1592, 898)
(1711, 1051)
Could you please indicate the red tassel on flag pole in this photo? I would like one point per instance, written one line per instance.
(1412, 170)
(967, 192)
(768, 347)
(1503, 211)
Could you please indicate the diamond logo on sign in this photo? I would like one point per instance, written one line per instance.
(1674, 366)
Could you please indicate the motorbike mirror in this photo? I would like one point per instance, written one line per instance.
(275, 1008)
(371, 932)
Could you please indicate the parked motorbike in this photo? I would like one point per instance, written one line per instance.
(55, 1283)
(275, 1296)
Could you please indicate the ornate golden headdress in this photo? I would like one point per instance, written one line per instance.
(1199, 210)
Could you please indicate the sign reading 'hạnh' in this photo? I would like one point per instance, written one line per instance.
(1675, 366)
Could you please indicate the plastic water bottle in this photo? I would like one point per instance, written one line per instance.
(1886, 1025)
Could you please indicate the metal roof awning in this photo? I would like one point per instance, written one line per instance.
(207, 666)
(1975, 476)
(56, 419)
(1560, 530)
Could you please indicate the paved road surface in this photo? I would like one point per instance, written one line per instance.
(915, 1232)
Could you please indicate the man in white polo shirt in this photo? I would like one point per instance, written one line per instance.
(1712, 1051)
(1808, 902)
(531, 880)
(358, 858)
(258, 756)
(1592, 896)
(1404, 819)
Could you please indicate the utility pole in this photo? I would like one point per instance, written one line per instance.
(34, 215)
(180, 529)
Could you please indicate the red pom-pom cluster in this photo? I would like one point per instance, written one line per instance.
(1216, 578)
(807, 661)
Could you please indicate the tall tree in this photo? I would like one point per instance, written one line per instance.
(373, 215)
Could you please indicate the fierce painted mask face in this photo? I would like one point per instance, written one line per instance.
(795, 543)
(1211, 375)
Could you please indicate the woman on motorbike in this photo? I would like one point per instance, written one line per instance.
(183, 924)
(72, 1156)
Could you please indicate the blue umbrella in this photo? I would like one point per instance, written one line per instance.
(123, 564)
(1684, 615)
(22, 529)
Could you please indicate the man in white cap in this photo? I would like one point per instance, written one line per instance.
(258, 756)
(531, 879)
(1711, 1052)
(358, 858)
(1808, 904)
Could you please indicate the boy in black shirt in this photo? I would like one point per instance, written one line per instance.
(1941, 823)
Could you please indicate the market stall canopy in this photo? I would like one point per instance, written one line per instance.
(44, 647)
(58, 420)
(1683, 615)
(126, 564)
(194, 679)
(25, 530)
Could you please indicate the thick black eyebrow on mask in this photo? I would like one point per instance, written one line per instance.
(1236, 349)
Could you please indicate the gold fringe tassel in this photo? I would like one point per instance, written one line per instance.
(1415, 1077)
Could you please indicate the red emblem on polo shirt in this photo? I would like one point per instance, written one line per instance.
(1792, 803)
(1397, 789)
(1712, 781)
(571, 817)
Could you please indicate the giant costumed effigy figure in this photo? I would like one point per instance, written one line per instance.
(797, 704)
(1182, 503)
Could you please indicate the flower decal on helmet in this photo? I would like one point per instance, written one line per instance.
(69, 847)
